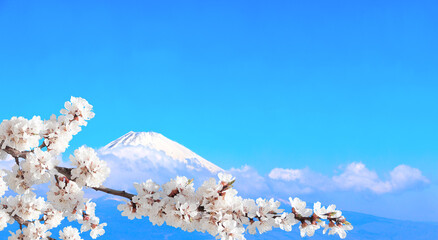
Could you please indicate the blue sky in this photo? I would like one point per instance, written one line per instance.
(290, 84)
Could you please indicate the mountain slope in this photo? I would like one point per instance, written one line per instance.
(158, 142)
(139, 156)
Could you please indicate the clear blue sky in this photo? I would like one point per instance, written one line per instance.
(270, 84)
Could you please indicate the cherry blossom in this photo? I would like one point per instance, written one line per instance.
(89, 171)
(69, 233)
(36, 230)
(214, 207)
(20, 133)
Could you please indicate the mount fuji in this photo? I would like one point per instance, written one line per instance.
(138, 156)
(158, 142)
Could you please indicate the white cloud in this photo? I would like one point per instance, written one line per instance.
(249, 182)
(138, 164)
(298, 181)
(285, 174)
(7, 163)
(404, 177)
(356, 177)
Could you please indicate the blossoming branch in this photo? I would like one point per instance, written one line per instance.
(214, 207)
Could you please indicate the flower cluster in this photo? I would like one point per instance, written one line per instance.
(36, 169)
(38, 166)
(89, 171)
(69, 233)
(78, 110)
(23, 134)
(27, 206)
(58, 131)
(20, 133)
(65, 199)
(25, 141)
(65, 194)
(214, 207)
(34, 230)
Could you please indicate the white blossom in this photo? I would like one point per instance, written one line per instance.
(37, 166)
(308, 229)
(178, 185)
(3, 184)
(78, 109)
(57, 133)
(25, 206)
(266, 211)
(225, 177)
(52, 217)
(66, 195)
(4, 219)
(90, 170)
(17, 181)
(147, 188)
(69, 233)
(187, 211)
(18, 235)
(130, 210)
(319, 211)
(229, 230)
(89, 221)
(252, 227)
(20, 133)
(286, 221)
(300, 207)
(209, 189)
(36, 230)
(339, 229)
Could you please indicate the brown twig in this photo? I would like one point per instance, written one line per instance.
(67, 172)
(114, 192)
(14, 152)
(22, 222)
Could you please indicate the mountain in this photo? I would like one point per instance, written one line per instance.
(158, 142)
(138, 156)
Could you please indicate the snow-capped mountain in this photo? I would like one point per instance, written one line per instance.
(158, 142)
(138, 156)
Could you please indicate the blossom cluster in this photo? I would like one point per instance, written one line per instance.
(90, 170)
(214, 207)
(24, 134)
(35, 145)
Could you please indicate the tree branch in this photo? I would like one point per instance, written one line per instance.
(115, 192)
(67, 172)
(14, 152)
(21, 222)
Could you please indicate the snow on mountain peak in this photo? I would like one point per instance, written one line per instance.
(158, 142)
